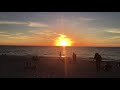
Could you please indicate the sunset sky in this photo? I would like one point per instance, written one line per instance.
(43, 28)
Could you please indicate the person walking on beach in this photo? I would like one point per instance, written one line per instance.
(98, 59)
(74, 57)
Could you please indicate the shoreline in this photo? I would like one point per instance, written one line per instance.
(54, 57)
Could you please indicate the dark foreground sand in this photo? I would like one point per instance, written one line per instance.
(52, 67)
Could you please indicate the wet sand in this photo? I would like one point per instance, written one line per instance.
(52, 67)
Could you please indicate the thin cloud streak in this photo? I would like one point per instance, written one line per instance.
(34, 24)
(11, 22)
(29, 24)
(6, 34)
(43, 32)
(86, 19)
(113, 30)
(115, 37)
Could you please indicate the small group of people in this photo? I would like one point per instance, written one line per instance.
(35, 58)
(4, 55)
(29, 66)
(32, 65)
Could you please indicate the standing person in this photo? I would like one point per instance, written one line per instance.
(98, 59)
(74, 57)
(60, 55)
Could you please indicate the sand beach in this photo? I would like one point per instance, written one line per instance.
(53, 67)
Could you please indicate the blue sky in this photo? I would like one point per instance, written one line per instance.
(42, 28)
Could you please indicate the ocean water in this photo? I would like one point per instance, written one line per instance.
(107, 53)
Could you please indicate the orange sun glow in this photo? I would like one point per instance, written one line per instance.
(63, 41)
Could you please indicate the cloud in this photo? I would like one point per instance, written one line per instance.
(20, 37)
(113, 30)
(6, 34)
(10, 22)
(34, 24)
(86, 19)
(18, 34)
(30, 24)
(43, 32)
(115, 37)
(31, 35)
(62, 35)
(2, 32)
(34, 35)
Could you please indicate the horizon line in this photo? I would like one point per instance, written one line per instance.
(57, 46)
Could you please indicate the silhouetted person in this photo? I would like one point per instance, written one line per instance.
(34, 58)
(119, 64)
(1, 57)
(5, 55)
(74, 57)
(60, 55)
(98, 59)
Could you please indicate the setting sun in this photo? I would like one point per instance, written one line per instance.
(63, 41)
